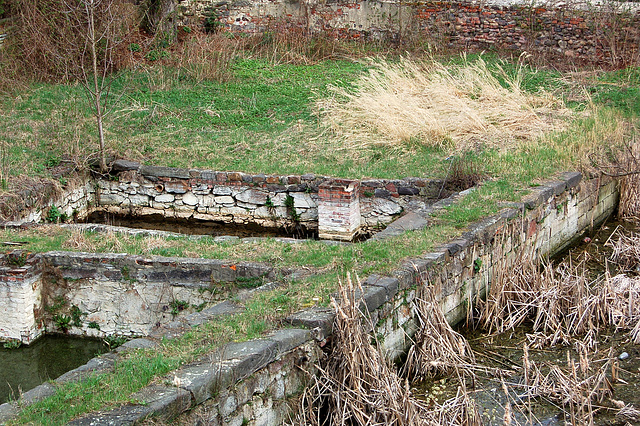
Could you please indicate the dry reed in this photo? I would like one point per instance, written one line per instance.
(576, 387)
(438, 350)
(436, 105)
(625, 249)
(357, 386)
(561, 302)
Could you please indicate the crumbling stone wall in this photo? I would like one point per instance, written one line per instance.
(608, 33)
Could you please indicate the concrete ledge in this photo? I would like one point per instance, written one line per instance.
(155, 401)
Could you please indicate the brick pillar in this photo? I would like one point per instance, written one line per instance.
(20, 298)
(338, 209)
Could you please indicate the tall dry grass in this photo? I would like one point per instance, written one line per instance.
(208, 56)
(357, 386)
(561, 302)
(438, 350)
(456, 106)
(579, 387)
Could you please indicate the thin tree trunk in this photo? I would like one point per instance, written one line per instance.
(96, 84)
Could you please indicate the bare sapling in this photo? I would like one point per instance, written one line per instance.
(99, 29)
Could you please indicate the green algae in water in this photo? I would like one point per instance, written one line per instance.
(47, 358)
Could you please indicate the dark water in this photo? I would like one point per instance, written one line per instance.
(47, 358)
(199, 227)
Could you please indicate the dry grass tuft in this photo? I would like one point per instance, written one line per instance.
(357, 386)
(438, 349)
(208, 57)
(454, 106)
(78, 241)
(576, 387)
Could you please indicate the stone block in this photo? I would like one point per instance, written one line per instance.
(124, 165)
(176, 187)
(571, 179)
(102, 363)
(558, 186)
(250, 356)
(190, 199)
(166, 172)
(389, 284)
(139, 343)
(407, 190)
(203, 379)
(314, 318)
(372, 297)
(252, 196)
(225, 200)
(106, 199)
(38, 393)
(157, 401)
(302, 201)
(289, 339)
(221, 190)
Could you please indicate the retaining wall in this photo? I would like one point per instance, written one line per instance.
(115, 294)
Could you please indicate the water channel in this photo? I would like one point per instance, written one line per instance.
(24, 368)
(505, 352)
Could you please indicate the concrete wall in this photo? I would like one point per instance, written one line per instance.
(20, 297)
(115, 294)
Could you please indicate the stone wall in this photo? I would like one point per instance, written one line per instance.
(607, 33)
(33, 205)
(115, 294)
(20, 287)
(269, 201)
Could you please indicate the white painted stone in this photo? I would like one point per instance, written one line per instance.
(221, 190)
(207, 200)
(190, 199)
(226, 200)
(165, 198)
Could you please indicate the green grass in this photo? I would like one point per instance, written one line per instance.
(263, 121)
